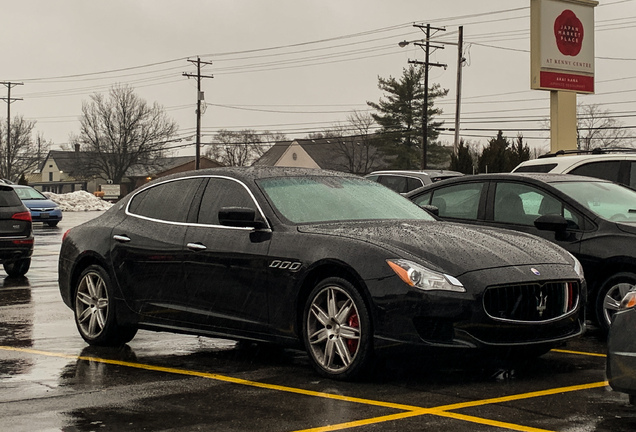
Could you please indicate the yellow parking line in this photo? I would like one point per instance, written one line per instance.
(408, 410)
(579, 353)
(219, 378)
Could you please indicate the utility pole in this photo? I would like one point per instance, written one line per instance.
(200, 97)
(458, 102)
(8, 100)
(427, 48)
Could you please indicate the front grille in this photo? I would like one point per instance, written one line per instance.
(531, 302)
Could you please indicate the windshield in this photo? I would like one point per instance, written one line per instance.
(608, 200)
(327, 199)
(28, 193)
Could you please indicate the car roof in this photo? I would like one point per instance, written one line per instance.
(565, 162)
(426, 172)
(530, 177)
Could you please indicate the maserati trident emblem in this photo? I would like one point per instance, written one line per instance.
(542, 300)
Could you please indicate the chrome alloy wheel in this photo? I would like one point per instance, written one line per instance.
(91, 305)
(613, 298)
(333, 329)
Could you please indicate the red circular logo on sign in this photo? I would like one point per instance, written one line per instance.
(568, 31)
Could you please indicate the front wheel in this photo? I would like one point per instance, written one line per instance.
(17, 268)
(95, 312)
(610, 295)
(337, 330)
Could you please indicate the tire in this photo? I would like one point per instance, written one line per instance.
(610, 295)
(17, 268)
(95, 315)
(337, 330)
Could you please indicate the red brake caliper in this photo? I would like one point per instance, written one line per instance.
(352, 344)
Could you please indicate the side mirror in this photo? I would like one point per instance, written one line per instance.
(551, 222)
(241, 217)
(434, 210)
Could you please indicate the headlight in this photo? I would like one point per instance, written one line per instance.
(629, 301)
(423, 278)
(578, 268)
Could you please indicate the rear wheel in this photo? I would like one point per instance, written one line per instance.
(610, 295)
(17, 268)
(337, 330)
(95, 312)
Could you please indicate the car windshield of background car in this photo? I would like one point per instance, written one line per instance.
(608, 200)
(29, 193)
(328, 199)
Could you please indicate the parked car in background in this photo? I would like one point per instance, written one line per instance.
(619, 167)
(331, 262)
(593, 219)
(404, 181)
(621, 348)
(16, 233)
(42, 209)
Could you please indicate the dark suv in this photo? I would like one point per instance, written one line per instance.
(16, 232)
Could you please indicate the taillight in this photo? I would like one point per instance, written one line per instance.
(65, 234)
(24, 216)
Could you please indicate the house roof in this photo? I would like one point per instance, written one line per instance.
(326, 152)
(273, 154)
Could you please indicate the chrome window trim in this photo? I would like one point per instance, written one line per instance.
(260, 210)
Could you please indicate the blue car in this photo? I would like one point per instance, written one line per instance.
(42, 209)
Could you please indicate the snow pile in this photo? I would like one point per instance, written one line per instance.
(78, 201)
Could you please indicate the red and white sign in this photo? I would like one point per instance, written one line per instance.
(563, 49)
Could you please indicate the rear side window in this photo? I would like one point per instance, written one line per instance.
(458, 201)
(8, 197)
(543, 168)
(607, 170)
(169, 201)
(632, 175)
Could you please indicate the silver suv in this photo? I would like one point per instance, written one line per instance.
(404, 181)
(616, 167)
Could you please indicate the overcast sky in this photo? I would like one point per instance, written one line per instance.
(292, 66)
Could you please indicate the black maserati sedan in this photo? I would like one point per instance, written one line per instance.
(593, 219)
(330, 262)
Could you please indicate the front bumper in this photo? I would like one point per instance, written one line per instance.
(443, 319)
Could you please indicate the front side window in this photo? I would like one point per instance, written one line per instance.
(329, 199)
(219, 193)
(522, 204)
(168, 201)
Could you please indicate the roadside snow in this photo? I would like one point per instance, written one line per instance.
(78, 201)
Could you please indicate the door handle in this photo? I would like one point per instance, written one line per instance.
(196, 246)
(121, 238)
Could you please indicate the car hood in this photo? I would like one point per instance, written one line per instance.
(452, 248)
(39, 203)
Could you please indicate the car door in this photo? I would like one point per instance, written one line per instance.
(516, 205)
(226, 267)
(148, 249)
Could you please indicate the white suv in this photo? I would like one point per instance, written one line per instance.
(616, 167)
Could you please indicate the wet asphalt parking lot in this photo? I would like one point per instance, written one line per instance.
(50, 380)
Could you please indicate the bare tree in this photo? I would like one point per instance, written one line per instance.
(242, 148)
(597, 128)
(357, 144)
(121, 131)
(23, 155)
